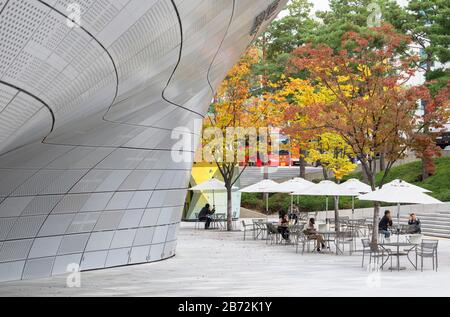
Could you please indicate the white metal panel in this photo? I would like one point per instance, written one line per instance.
(123, 238)
(84, 222)
(139, 254)
(15, 250)
(119, 201)
(11, 271)
(44, 247)
(169, 249)
(100, 241)
(5, 226)
(144, 236)
(131, 219)
(56, 225)
(156, 252)
(13, 206)
(160, 234)
(41, 205)
(97, 202)
(93, 260)
(118, 257)
(38, 268)
(109, 220)
(150, 217)
(26, 227)
(74, 243)
(65, 262)
(140, 200)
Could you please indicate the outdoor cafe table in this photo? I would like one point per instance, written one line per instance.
(397, 253)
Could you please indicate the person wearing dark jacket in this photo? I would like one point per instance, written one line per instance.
(385, 224)
(414, 225)
(206, 215)
(283, 226)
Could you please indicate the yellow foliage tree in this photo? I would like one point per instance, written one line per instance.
(333, 153)
(235, 109)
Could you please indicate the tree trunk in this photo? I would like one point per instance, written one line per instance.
(365, 176)
(325, 173)
(229, 210)
(382, 162)
(425, 163)
(336, 214)
(302, 164)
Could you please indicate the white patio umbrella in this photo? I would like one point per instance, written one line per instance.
(325, 188)
(400, 194)
(212, 185)
(358, 188)
(265, 186)
(399, 182)
(293, 185)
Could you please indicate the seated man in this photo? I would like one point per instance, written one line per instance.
(206, 215)
(385, 224)
(414, 226)
(312, 234)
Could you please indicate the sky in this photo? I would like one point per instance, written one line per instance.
(322, 5)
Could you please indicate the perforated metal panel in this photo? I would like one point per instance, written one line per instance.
(83, 222)
(15, 250)
(35, 268)
(100, 241)
(26, 227)
(93, 260)
(45, 247)
(109, 220)
(56, 225)
(75, 243)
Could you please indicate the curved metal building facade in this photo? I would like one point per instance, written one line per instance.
(88, 103)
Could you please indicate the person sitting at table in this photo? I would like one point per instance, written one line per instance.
(294, 216)
(385, 224)
(283, 226)
(414, 225)
(206, 215)
(312, 234)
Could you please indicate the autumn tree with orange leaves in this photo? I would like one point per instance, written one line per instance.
(237, 119)
(373, 110)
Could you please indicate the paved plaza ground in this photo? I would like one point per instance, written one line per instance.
(216, 263)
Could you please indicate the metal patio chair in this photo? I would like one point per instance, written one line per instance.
(428, 249)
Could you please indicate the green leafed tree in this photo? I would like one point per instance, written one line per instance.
(354, 16)
(282, 37)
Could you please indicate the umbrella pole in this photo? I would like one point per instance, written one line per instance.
(353, 207)
(398, 222)
(267, 203)
(292, 204)
(326, 209)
